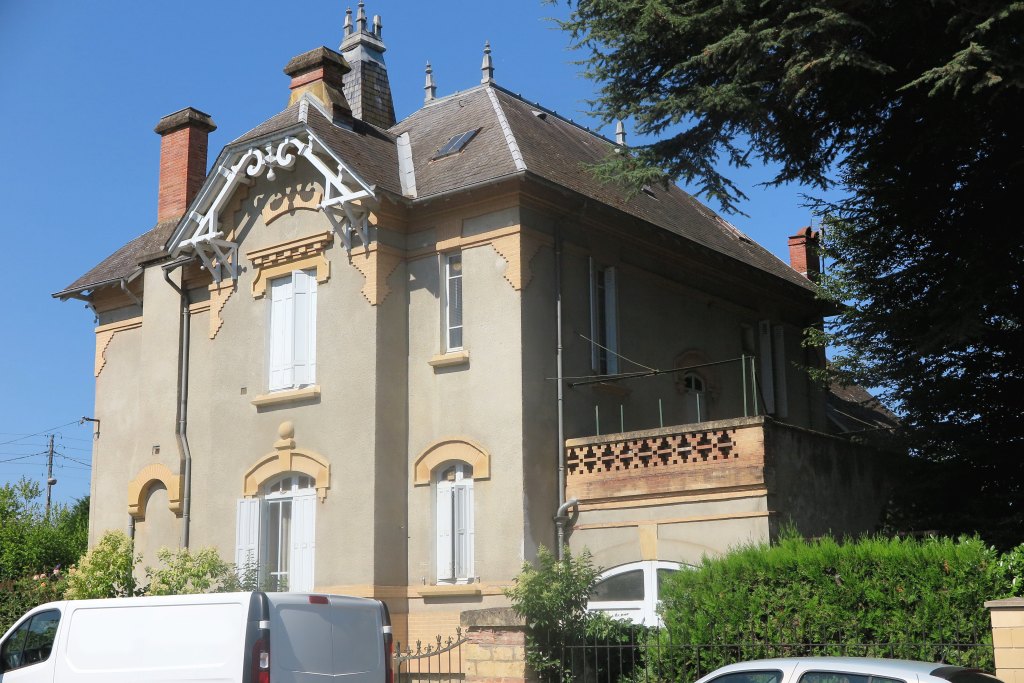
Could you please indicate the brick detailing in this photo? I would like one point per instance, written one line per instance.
(183, 148)
(666, 450)
(376, 265)
(320, 73)
(517, 250)
(803, 253)
(105, 335)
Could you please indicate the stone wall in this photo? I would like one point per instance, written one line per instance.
(1008, 638)
(495, 647)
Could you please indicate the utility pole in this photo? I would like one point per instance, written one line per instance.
(50, 481)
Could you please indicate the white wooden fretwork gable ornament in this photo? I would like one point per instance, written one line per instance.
(202, 233)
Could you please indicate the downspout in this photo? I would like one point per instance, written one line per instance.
(560, 518)
(181, 426)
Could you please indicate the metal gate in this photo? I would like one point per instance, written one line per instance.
(437, 662)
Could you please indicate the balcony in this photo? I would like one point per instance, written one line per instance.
(821, 482)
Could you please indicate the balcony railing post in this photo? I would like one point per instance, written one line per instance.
(743, 376)
(753, 383)
(597, 419)
(622, 418)
(661, 415)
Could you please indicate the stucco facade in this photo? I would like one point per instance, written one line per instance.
(194, 423)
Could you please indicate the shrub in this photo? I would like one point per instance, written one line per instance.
(21, 595)
(106, 571)
(872, 591)
(184, 572)
(552, 597)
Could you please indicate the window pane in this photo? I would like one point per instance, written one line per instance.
(750, 677)
(41, 634)
(626, 586)
(662, 574)
(10, 653)
(832, 677)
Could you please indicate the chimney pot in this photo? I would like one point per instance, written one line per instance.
(183, 146)
(803, 253)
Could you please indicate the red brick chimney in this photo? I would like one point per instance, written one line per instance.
(803, 253)
(182, 160)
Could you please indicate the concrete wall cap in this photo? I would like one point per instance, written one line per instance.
(189, 116)
(1008, 603)
(491, 617)
(321, 56)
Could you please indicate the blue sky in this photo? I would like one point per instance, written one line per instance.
(83, 84)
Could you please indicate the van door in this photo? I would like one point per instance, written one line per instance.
(25, 655)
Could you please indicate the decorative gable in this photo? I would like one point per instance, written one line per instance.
(345, 200)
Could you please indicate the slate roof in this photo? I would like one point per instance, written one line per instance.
(513, 137)
(559, 151)
(125, 260)
(852, 409)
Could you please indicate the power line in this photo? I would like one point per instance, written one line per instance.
(68, 457)
(41, 432)
(21, 457)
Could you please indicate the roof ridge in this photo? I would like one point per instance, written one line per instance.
(510, 138)
(552, 112)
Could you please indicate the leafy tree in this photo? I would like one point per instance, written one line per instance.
(29, 542)
(913, 110)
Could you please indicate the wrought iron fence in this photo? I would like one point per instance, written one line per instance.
(440, 661)
(649, 655)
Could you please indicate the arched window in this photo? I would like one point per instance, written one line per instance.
(695, 403)
(632, 591)
(454, 522)
(277, 532)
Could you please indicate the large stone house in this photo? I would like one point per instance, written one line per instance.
(335, 357)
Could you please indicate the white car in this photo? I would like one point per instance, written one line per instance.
(844, 670)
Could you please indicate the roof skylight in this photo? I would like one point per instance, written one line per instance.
(456, 144)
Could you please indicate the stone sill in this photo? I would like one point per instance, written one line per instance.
(445, 360)
(450, 590)
(287, 396)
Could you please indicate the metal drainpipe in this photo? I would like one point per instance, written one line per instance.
(181, 427)
(131, 527)
(559, 523)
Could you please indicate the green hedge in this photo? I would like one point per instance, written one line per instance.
(824, 597)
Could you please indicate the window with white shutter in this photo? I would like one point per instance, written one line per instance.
(292, 334)
(604, 323)
(275, 538)
(455, 523)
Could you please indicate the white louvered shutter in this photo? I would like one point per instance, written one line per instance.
(767, 393)
(460, 531)
(300, 572)
(247, 534)
(282, 321)
(445, 568)
(304, 328)
(611, 319)
(465, 521)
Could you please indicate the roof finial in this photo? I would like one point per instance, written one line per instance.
(620, 134)
(361, 18)
(377, 25)
(487, 67)
(430, 87)
(348, 21)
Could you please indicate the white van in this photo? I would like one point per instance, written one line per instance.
(218, 638)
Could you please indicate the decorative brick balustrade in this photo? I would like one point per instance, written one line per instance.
(715, 455)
